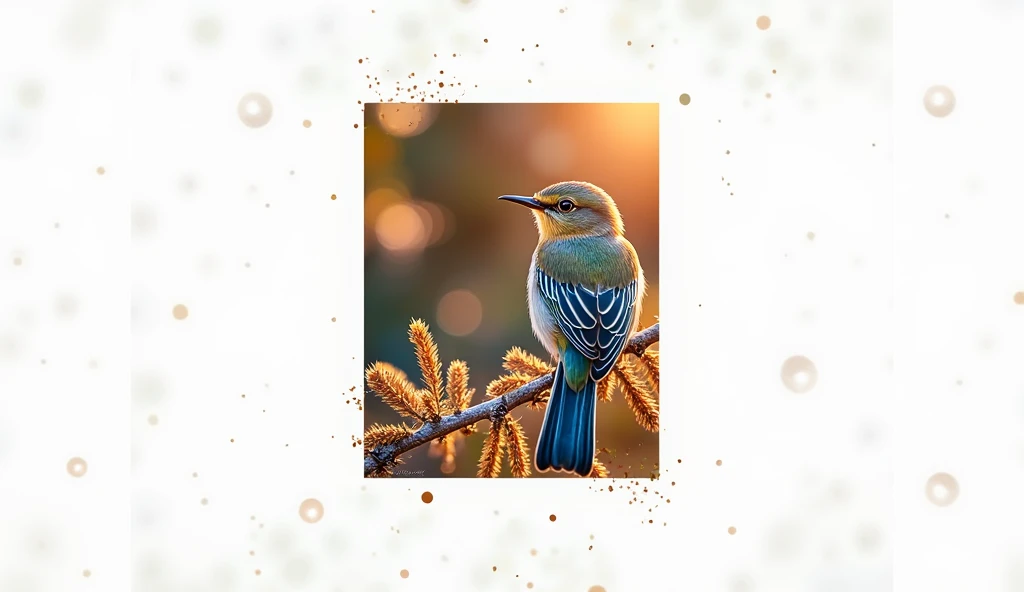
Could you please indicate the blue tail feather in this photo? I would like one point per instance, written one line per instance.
(566, 440)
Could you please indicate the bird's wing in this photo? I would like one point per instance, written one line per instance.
(595, 321)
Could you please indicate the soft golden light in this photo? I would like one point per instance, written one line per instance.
(404, 120)
(799, 374)
(77, 467)
(400, 228)
(440, 221)
(311, 510)
(459, 313)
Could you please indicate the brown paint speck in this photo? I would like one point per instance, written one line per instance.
(100, 170)
(763, 22)
(552, 518)
(180, 311)
(404, 573)
(334, 196)
(629, 43)
(258, 572)
(86, 573)
(1018, 298)
(684, 99)
(355, 125)
(732, 530)
(494, 568)
(427, 497)
(307, 123)
(485, 41)
(718, 462)
(334, 319)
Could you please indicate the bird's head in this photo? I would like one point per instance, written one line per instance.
(572, 208)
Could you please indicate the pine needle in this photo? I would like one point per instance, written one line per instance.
(652, 362)
(599, 471)
(382, 435)
(507, 383)
(520, 361)
(606, 387)
(396, 371)
(518, 453)
(430, 366)
(638, 396)
(490, 457)
(399, 394)
(458, 385)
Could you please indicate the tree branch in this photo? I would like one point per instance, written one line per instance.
(382, 456)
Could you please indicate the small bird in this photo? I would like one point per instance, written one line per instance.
(584, 292)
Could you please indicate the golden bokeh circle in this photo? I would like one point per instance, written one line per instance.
(311, 510)
(799, 374)
(77, 467)
(459, 313)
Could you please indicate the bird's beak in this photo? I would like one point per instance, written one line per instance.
(524, 201)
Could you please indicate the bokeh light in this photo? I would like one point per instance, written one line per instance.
(459, 312)
(799, 374)
(404, 120)
(255, 110)
(400, 228)
(311, 510)
(939, 101)
(77, 467)
(942, 489)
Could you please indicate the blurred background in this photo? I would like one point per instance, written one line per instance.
(441, 247)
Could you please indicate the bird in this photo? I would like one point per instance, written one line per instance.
(584, 293)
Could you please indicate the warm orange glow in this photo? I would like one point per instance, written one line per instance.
(400, 228)
(439, 221)
(404, 120)
(459, 312)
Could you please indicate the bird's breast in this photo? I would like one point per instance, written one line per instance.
(544, 324)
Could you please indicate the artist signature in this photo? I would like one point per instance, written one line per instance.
(406, 473)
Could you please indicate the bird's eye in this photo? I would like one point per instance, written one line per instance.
(566, 206)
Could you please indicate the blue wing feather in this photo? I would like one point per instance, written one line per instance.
(595, 321)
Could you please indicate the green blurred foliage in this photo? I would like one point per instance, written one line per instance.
(460, 160)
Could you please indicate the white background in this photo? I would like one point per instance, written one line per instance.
(907, 313)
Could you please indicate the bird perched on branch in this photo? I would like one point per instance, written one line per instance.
(584, 291)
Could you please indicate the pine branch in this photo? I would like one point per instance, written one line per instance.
(379, 435)
(518, 360)
(518, 452)
(385, 456)
(637, 394)
(430, 366)
(494, 447)
(652, 362)
(459, 393)
(394, 390)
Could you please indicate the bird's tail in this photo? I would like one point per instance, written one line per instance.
(567, 436)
